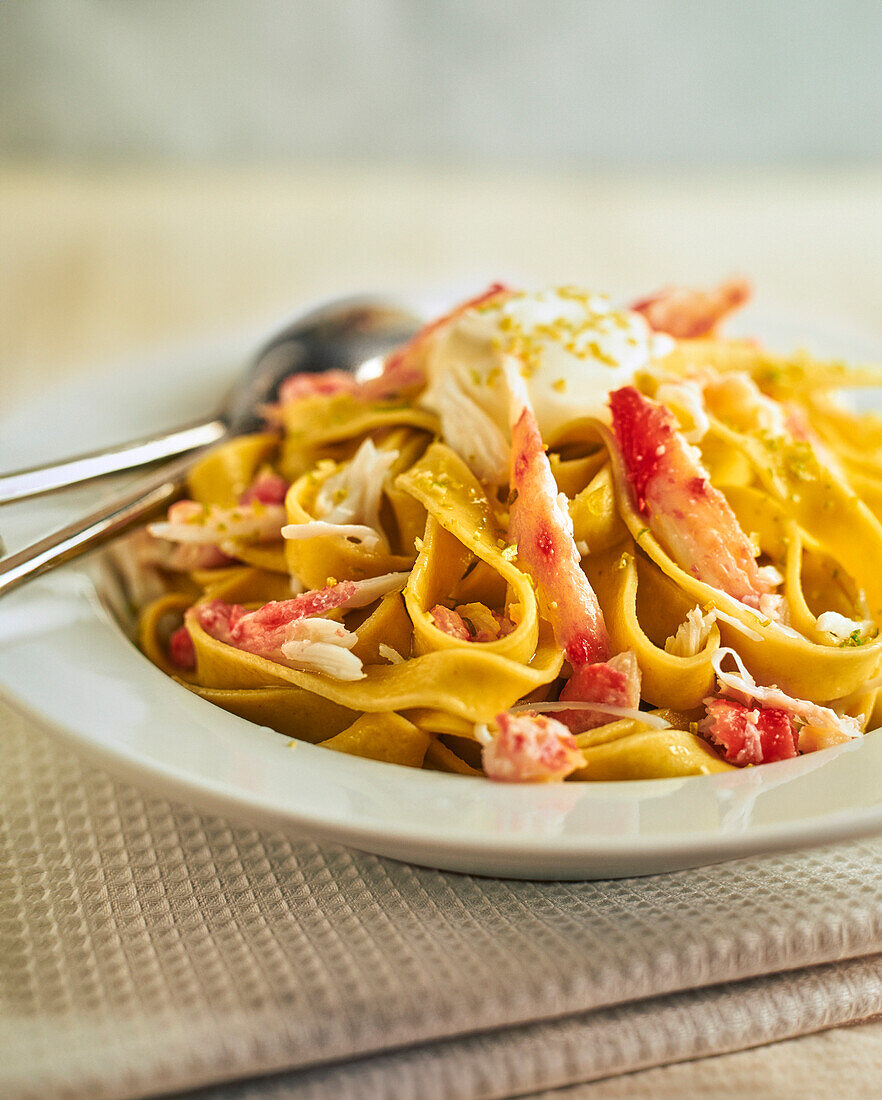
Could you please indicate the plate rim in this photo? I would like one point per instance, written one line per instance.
(575, 857)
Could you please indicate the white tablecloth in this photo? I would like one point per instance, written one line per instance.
(149, 948)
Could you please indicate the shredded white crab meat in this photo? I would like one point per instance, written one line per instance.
(190, 523)
(771, 574)
(348, 502)
(482, 733)
(842, 628)
(737, 624)
(322, 645)
(372, 588)
(822, 727)
(684, 399)
(391, 655)
(468, 430)
(770, 606)
(366, 536)
(692, 634)
(352, 495)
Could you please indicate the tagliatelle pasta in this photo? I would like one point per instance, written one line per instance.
(553, 540)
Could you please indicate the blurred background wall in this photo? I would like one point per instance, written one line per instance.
(171, 168)
(518, 82)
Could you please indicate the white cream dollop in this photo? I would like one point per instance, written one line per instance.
(571, 346)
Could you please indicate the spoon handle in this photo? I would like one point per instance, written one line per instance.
(149, 497)
(32, 482)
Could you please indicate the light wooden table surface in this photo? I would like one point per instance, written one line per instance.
(97, 265)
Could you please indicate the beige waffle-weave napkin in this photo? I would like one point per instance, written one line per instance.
(146, 948)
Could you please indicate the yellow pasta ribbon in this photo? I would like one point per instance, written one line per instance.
(288, 710)
(153, 633)
(316, 427)
(780, 376)
(228, 470)
(667, 680)
(651, 754)
(476, 686)
(384, 736)
(593, 512)
(312, 560)
(802, 668)
(462, 522)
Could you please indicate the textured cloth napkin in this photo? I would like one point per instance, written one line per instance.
(147, 948)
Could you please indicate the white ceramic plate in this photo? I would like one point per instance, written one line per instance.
(66, 661)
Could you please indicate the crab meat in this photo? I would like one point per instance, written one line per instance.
(267, 630)
(322, 645)
(191, 523)
(820, 727)
(540, 525)
(692, 634)
(353, 493)
(202, 533)
(180, 649)
(290, 631)
(404, 369)
(616, 682)
(688, 313)
(531, 748)
(267, 488)
(685, 512)
(142, 560)
(324, 384)
(449, 623)
(348, 502)
(470, 431)
(356, 533)
(472, 622)
(843, 630)
(748, 735)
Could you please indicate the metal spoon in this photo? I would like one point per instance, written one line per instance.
(340, 336)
